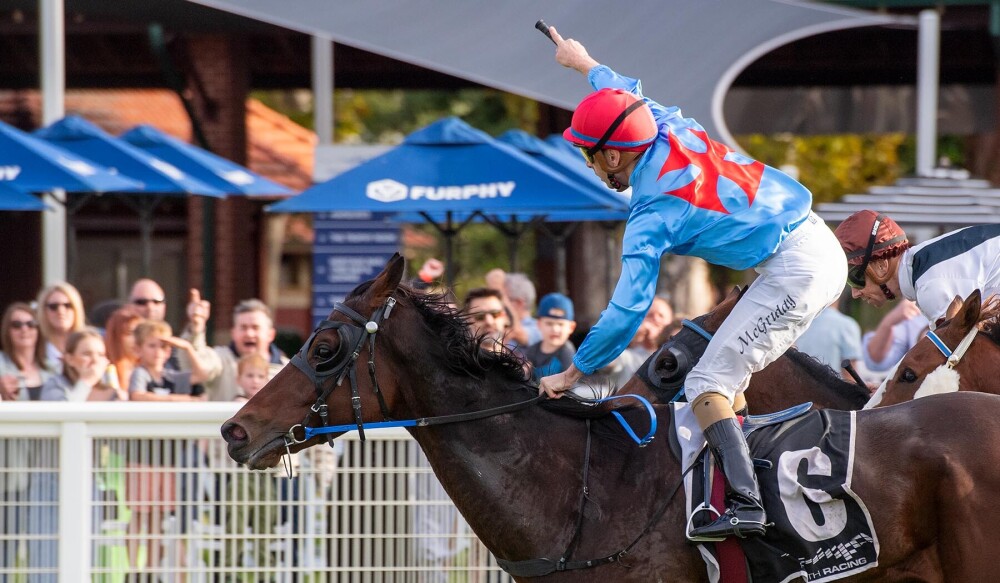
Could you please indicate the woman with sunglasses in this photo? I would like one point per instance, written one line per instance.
(60, 313)
(22, 362)
(882, 266)
(694, 196)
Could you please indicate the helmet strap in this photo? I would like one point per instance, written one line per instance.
(614, 125)
(615, 183)
(886, 291)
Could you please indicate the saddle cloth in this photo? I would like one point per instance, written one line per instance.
(822, 531)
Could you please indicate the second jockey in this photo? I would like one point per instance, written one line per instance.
(694, 196)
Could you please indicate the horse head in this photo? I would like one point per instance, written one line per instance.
(328, 383)
(953, 357)
(669, 366)
(388, 352)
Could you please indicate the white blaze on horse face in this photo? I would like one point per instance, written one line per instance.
(942, 380)
(795, 497)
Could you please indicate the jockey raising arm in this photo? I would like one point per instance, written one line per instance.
(884, 266)
(694, 196)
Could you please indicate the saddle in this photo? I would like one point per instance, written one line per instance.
(822, 530)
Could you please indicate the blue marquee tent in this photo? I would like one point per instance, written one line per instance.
(158, 177)
(12, 199)
(216, 171)
(34, 165)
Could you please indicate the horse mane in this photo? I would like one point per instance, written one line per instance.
(989, 318)
(460, 350)
(829, 379)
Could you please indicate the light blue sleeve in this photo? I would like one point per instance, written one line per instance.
(644, 243)
(603, 77)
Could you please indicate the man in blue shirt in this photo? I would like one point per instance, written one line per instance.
(694, 196)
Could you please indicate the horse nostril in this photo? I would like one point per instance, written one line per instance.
(233, 432)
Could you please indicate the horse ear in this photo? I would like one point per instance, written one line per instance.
(953, 308)
(968, 316)
(387, 281)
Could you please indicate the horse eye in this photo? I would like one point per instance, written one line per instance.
(324, 352)
(907, 376)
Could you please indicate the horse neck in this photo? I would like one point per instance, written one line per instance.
(475, 460)
(802, 383)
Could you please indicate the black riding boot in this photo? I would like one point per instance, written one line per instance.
(744, 516)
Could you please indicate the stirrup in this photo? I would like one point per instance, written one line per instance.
(705, 507)
(755, 528)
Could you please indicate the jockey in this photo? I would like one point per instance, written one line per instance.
(694, 196)
(883, 266)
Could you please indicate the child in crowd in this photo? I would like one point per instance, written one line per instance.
(554, 352)
(251, 375)
(151, 381)
(85, 366)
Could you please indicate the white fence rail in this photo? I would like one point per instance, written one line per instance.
(117, 492)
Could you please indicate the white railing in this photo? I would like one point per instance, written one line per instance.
(116, 492)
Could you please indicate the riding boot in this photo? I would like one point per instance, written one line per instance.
(744, 516)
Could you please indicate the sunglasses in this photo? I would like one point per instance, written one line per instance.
(480, 316)
(18, 324)
(147, 301)
(54, 306)
(586, 154)
(856, 273)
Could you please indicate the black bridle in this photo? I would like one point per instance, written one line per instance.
(340, 364)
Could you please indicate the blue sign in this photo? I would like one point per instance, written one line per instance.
(350, 248)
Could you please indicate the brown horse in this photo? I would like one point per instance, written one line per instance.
(793, 378)
(963, 353)
(517, 475)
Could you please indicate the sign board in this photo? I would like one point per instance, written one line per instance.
(350, 248)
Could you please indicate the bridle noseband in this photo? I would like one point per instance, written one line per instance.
(339, 365)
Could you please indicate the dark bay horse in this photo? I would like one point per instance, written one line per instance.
(966, 356)
(793, 378)
(517, 477)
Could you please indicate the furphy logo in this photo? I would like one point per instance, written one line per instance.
(391, 191)
(386, 191)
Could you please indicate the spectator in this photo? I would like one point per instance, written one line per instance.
(98, 315)
(119, 335)
(486, 316)
(60, 313)
(151, 380)
(894, 336)
(646, 340)
(251, 375)
(520, 294)
(554, 352)
(85, 364)
(252, 333)
(832, 338)
(22, 362)
(148, 298)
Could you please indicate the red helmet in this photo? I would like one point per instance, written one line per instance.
(612, 118)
